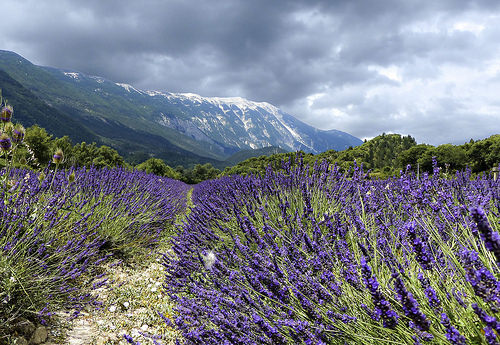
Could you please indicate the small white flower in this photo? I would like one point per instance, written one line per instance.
(209, 259)
(112, 308)
(126, 305)
(158, 283)
(154, 288)
(12, 279)
(144, 327)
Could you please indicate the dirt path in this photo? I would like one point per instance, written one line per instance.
(130, 302)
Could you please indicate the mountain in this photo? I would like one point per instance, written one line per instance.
(171, 126)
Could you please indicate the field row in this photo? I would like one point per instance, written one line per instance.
(314, 256)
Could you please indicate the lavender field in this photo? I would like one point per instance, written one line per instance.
(303, 255)
(310, 255)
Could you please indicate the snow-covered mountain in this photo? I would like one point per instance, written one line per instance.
(240, 123)
(206, 126)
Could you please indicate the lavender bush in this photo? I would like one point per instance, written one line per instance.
(57, 226)
(314, 256)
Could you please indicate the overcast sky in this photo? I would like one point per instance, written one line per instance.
(430, 69)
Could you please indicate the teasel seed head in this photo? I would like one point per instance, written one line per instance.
(18, 134)
(8, 127)
(6, 113)
(5, 143)
(58, 156)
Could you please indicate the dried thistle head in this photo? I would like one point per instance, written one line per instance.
(18, 134)
(6, 113)
(58, 156)
(8, 127)
(5, 143)
(11, 184)
(41, 176)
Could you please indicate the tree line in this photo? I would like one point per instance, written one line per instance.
(384, 156)
(387, 154)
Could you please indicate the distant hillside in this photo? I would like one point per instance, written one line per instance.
(30, 110)
(179, 128)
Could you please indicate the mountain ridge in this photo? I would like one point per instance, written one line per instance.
(209, 127)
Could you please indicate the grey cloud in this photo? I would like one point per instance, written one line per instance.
(275, 51)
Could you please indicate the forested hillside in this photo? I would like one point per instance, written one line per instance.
(387, 154)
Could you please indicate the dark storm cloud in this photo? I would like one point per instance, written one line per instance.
(361, 66)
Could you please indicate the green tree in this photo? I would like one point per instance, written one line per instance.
(484, 154)
(412, 155)
(84, 154)
(39, 142)
(451, 156)
(493, 157)
(158, 167)
(203, 172)
(107, 157)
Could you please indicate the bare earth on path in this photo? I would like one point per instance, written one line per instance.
(130, 301)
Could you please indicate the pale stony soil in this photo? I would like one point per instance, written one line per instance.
(130, 302)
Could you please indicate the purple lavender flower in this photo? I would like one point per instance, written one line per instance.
(410, 305)
(425, 336)
(483, 282)
(421, 249)
(490, 335)
(129, 340)
(490, 238)
(452, 334)
(429, 291)
(485, 285)
(382, 306)
(490, 321)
